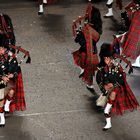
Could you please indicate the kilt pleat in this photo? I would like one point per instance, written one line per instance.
(89, 72)
(91, 59)
(125, 100)
(79, 58)
(18, 103)
(131, 47)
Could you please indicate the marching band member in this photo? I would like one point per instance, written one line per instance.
(11, 84)
(112, 81)
(6, 36)
(86, 57)
(91, 37)
(11, 76)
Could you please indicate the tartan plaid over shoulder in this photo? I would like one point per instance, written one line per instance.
(91, 59)
(91, 34)
(131, 47)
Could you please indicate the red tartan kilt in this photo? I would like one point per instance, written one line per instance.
(89, 72)
(125, 100)
(89, 65)
(18, 103)
(79, 58)
(90, 68)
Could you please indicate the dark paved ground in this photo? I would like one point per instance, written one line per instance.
(59, 107)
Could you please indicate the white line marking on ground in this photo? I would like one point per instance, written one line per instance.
(49, 113)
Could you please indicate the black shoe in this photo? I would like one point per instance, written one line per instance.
(135, 66)
(81, 74)
(105, 129)
(91, 90)
(108, 16)
(2, 125)
(40, 13)
(7, 112)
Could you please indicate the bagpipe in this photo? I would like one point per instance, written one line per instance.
(119, 59)
(120, 40)
(15, 52)
(122, 58)
(10, 64)
(92, 18)
(82, 20)
(118, 56)
(127, 14)
(12, 58)
(7, 38)
(132, 7)
(18, 49)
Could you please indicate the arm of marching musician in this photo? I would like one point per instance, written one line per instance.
(5, 79)
(99, 81)
(3, 75)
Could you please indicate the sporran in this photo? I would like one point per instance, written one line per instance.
(101, 101)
